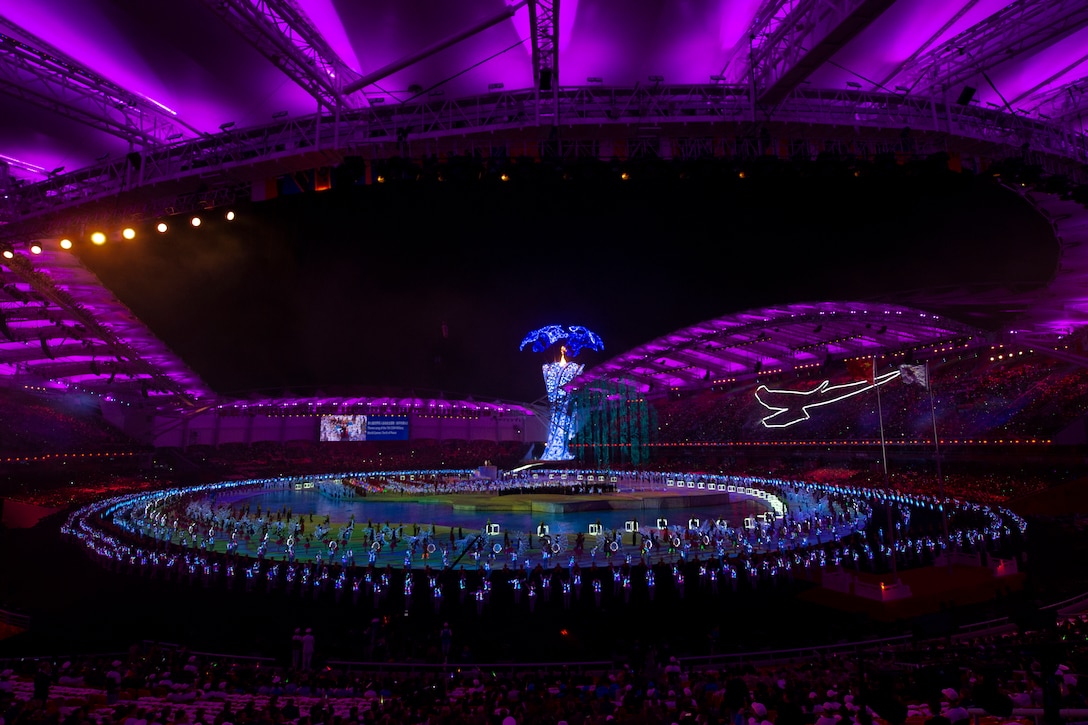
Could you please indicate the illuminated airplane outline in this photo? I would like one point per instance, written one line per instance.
(823, 390)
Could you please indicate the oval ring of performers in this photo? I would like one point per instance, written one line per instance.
(209, 535)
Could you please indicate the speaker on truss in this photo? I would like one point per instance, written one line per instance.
(545, 79)
(135, 160)
(966, 95)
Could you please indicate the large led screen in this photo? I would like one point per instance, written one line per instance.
(363, 428)
(343, 428)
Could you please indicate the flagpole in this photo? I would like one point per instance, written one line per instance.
(937, 458)
(887, 481)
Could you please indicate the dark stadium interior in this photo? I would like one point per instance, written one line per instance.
(837, 291)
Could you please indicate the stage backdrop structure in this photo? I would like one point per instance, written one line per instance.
(614, 425)
(557, 375)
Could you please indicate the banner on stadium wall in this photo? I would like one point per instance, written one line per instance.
(363, 428)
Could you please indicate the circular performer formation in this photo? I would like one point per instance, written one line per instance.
(377, 536)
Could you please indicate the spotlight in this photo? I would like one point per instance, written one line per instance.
(35, 248)
(161, 227)
(195, 221)
(625, 176)
(279, 114)
(505, 177)
(381, 179)
(230, 216)
(8, 254)
(66, 243)
(225, 126)
(128, 233)
(98, 238)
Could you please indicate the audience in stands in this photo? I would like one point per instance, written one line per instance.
(1012, 677)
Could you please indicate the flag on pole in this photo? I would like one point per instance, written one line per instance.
(915, 375)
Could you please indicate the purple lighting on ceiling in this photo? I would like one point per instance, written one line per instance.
(1062, 62)
(736, 17)
(682, 42)
(568, 15)
(323, 15)
(895, 35)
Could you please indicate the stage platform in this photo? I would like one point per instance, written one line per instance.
(932, 589)
(561, 504)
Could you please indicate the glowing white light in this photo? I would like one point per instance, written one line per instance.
(791, 406)
(98, 238)
(128, 233)
(169, 110)
(66, 244)
(195, 221)
(24, 165)
(161, 227)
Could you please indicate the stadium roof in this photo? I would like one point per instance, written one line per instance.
(780, 340)
(924, 323)
(90, 82)
(59, 327)
(122, 110)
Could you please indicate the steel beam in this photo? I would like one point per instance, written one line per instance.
(1019, 28)
(282, 33)
(23, 353)
(544, 29)
(924, 47)
(226, 164)
(388, 70)
(33, 71)
(795, 37)
(125, 359)
(1060, 104)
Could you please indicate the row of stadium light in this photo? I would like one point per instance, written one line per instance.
(69, 456)
(99, 237)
